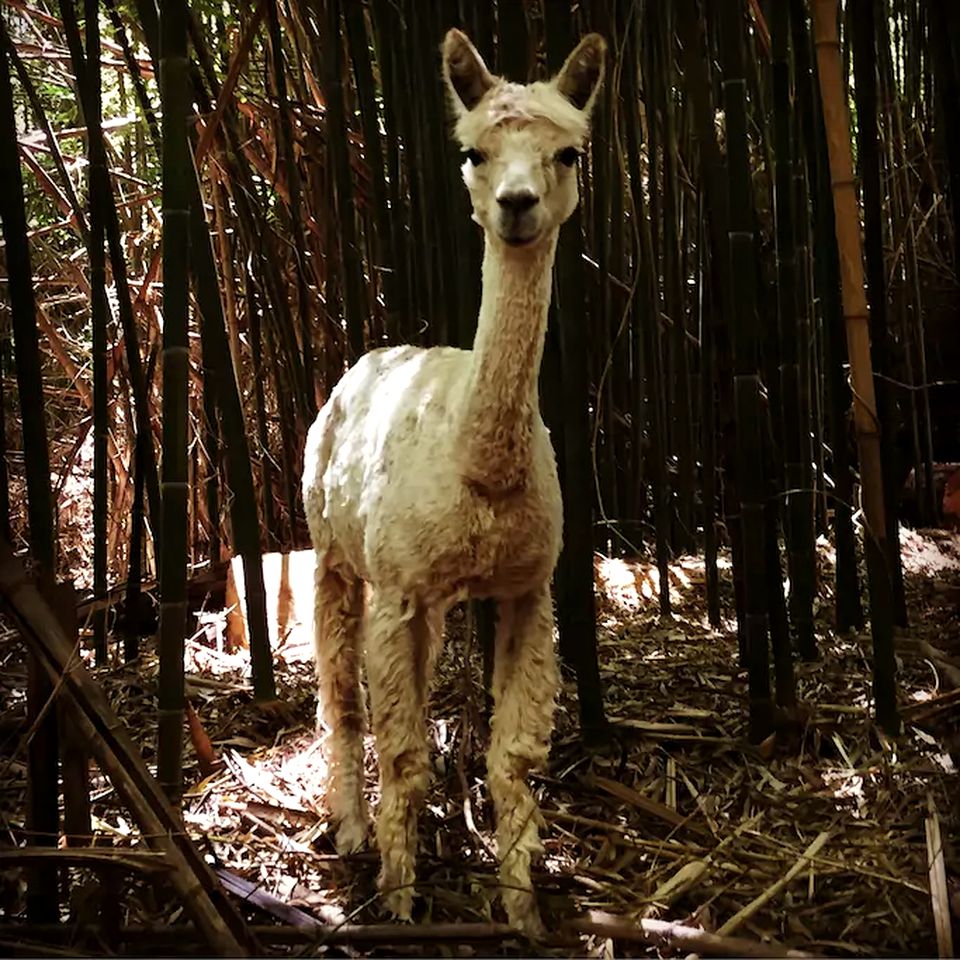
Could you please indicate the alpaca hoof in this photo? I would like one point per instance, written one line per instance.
(522, 914)
(531, 925)
(400, 903)
(351, 836)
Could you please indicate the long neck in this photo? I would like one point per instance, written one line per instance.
(500, 404)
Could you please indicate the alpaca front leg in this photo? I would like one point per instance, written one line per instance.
(525, 682)
(396, 667)
(337, 634)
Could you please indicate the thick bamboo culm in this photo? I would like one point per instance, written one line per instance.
(856, 321)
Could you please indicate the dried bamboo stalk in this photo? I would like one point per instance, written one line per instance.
(856, 321)
(751, 908)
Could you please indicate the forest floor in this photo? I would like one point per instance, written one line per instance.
(678, 818)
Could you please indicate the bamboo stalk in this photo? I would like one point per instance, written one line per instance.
(176, 360)
(292, 170)
(745, 336)
(43, 818)
(848, 610)
(799, 525)
(856, 321)
(744, 914)
(576, 603)
(245, 519)
(865, 73)
(354, 302)
(4, 476)
(90, 96)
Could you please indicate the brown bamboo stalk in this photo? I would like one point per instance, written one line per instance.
(856, 321)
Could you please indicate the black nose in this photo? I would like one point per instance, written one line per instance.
(519, 201)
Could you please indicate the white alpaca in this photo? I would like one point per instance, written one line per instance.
(429, 475)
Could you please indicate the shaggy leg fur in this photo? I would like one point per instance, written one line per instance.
(525, 681)
(400, 656)
(337, 635)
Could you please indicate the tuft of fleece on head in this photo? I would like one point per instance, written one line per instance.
(517, 105)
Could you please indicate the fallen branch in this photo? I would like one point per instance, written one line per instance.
(663, 933)
(939, 893)
(751, 908)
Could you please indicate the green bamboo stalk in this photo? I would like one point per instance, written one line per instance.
(576, 604)
(102, 200)
(140, 87)
(615, 27)
(420, 174)
(603, 321)
(708, 423)
(331, 80)
(383, 256)
(43, 120)
(260, 408)
(176, 358)
(133, 597)
(259, 239)
(848, 609)
(746, 380)
(716, 201)
(292, 171)
(512, 58)
(245, 522)
(868, 157)
(946, 76)
(211, 443)
(799, 502)
(383, 14)
(43, 818)
(644, 294)
(652, 327)
(681, 416)
(5, 530)
(909, 311)
(97, 173)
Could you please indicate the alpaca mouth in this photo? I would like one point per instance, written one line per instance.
(518, 240)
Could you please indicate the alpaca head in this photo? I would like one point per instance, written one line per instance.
(521, 142)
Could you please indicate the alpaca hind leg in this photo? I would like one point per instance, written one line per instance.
(340, 708)
(525, 683)
(396, 671)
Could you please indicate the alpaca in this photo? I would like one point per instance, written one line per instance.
(429, 476)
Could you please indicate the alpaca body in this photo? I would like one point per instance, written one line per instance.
(429, 476)
(385, 507)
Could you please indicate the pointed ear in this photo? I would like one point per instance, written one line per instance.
(580, 76)
(464, 71)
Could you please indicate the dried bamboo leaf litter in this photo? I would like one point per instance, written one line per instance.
(821, 844)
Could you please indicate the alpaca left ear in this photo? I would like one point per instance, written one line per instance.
(464, 71)
(580, 76)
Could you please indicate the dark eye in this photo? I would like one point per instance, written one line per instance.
(474, 156)
(568, 156)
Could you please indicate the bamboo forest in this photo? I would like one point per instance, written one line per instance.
(480, 478)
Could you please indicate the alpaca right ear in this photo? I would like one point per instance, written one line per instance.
(580, 76)
(464, 71)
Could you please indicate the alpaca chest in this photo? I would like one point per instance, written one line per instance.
(494, 548)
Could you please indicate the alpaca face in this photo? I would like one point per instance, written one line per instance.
(522, 142)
